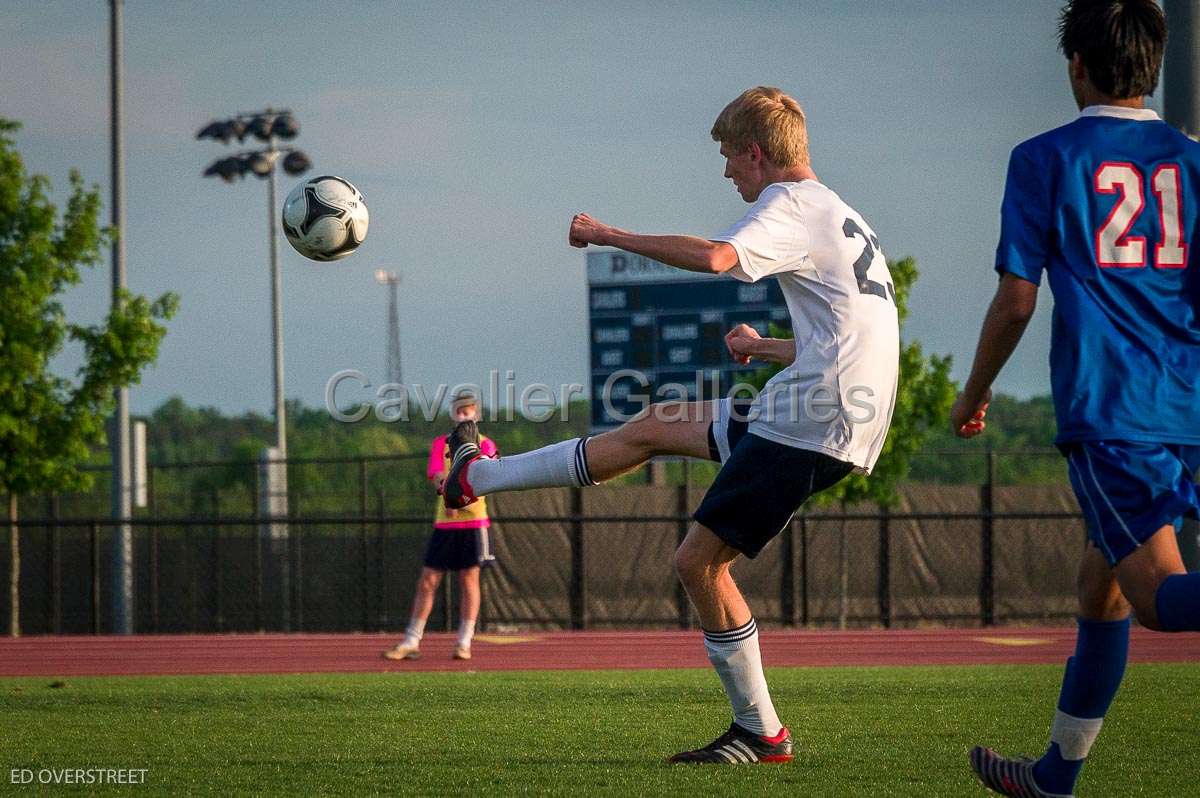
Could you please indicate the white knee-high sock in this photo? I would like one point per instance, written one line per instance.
(414, 632)
(466, 631)
(734, 653)
(562, 464)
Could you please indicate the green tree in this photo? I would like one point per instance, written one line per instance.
(923, 402)
(1022, 431)
(48, 423)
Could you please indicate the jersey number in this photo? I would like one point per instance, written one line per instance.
(851, 228)
(1114, 245)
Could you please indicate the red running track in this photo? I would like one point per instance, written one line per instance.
(361, 653)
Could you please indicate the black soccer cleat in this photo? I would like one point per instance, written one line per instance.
(740, 747)
(463, 444)
(1013, 777)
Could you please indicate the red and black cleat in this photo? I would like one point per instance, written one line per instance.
(1013, 777)
(741, 747)
(463, 444)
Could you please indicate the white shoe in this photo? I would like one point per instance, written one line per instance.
(462, 652)
(401, 651)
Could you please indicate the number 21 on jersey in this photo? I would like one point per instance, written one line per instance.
(1114, 246)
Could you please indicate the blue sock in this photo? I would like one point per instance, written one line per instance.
(1178, 603)
(1089, 684)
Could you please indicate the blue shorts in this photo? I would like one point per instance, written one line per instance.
(1129, 490)
(458, 549)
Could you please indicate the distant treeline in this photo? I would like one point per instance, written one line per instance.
(1020, 430)
(178, 433)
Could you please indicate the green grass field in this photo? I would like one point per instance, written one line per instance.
(859, 731)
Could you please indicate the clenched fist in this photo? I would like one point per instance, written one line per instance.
(741, 342)
(586, 230)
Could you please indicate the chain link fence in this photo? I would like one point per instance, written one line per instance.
(357, 485)
(1000, 550)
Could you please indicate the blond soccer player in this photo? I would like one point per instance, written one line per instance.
(824, 415)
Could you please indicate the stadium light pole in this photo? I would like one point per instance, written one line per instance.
(276, 308)
(122, 500)
(1181, 108)
(392, 281)
(268, 126)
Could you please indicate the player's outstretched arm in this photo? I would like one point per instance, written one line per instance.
(691, 253)
(1005, 323)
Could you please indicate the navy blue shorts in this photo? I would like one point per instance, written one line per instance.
(1130, 490)
(458, 549)
(761, 483)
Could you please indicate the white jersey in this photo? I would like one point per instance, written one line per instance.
(837, 397)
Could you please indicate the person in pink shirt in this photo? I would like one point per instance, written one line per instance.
(459, 543)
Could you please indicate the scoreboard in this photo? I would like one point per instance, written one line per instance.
(653, 326)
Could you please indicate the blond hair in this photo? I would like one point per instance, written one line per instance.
(769, 118)
(464, 397)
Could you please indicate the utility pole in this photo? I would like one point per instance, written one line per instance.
(268, 126)
(1181, 108)
(122, 505)
(276, 307)
(392, 281)
(1180, 102)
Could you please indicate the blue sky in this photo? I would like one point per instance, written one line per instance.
(475, 132)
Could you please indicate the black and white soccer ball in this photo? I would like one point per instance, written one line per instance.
(325, 218)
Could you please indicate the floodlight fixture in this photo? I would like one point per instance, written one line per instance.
(285, 127)
(228, 169)
(296, 163)
(261, 162)
(213, 130)
(260, 126)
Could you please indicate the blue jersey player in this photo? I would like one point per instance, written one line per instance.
(1106, 208)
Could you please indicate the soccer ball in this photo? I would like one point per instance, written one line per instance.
(325, 218)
